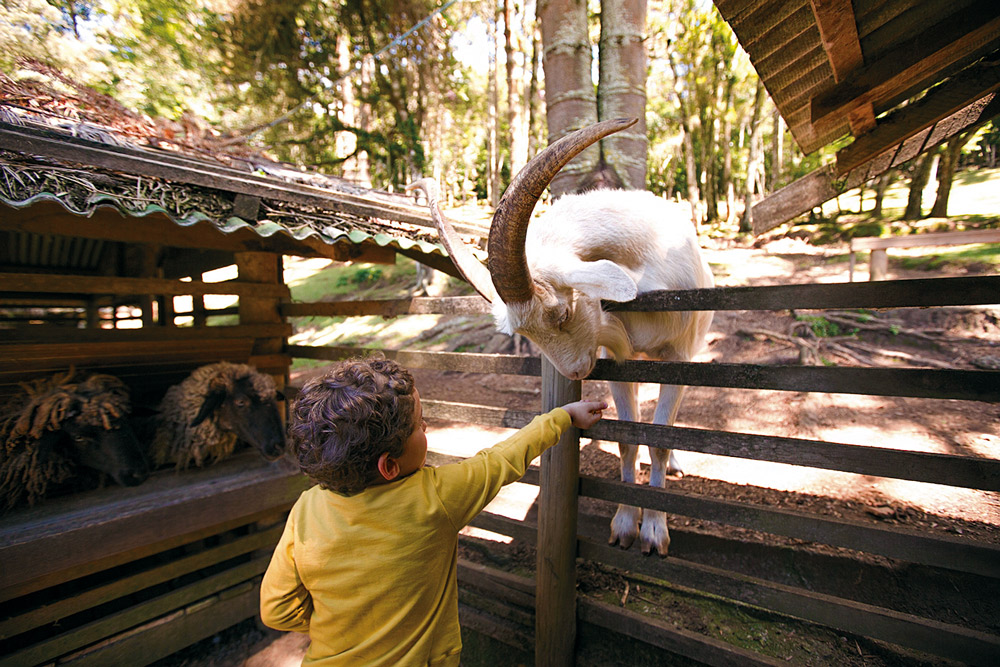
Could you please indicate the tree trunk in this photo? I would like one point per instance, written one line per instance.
(727, 155)
(691, 170)
(921, 174)
(570, 100)
(621, 89)
(535, 134)
(493, 120)
(777, 148)
(881, 185)
(755, 159)
(946, 173)
(516, 126)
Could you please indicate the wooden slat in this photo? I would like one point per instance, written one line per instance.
(923, 292)
(166, 635)
(913, 382)
(937, 638)
(54, 610)
(949, 469)
(914, 546)
(963, 471)
(455, 305)
(41, 282)
(189, 334)
(446, 361)
(923, 240)
(67, 538)
(667, 636)
(915, 61)
(144, 612)
(968, 92)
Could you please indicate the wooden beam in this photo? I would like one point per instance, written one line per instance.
(838, 31)
(969, 92)
(826, 182)
(964, 34)
(65, 284)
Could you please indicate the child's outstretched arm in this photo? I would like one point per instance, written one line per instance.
(585, 413)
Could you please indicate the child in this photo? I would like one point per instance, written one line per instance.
(367, 562)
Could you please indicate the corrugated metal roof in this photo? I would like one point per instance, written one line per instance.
(49, 157)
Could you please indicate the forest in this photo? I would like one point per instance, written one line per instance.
(464, 91)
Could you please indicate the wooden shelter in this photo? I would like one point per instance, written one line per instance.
(898, 77)
(101, 232)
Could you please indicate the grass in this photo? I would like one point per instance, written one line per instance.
(312, 281)
(983, 256)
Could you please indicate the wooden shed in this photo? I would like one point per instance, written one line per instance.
(102, 235)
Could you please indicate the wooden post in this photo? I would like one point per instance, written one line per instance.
(262, 267)
(878, 265)
(555, 572)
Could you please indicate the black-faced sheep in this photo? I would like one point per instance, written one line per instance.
(60, 424)
(202, 419)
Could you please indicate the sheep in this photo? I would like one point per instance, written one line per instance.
(61, 424)
(546, 281)
(202, 419)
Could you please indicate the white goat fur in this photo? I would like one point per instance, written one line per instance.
(613, 245)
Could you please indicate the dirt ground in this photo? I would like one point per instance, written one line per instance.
(963, 338)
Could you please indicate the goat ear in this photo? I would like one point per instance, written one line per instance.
(212, 401)
(602, 279)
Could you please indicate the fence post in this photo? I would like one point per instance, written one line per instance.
(555, 571)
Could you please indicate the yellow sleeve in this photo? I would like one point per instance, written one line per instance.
(465, 488)
(285, 604)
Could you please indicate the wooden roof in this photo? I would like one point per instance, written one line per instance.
(898, 77)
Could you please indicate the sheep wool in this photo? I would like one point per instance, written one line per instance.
(179, 442)
(26, 469)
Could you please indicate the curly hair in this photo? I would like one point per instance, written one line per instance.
(343, 421)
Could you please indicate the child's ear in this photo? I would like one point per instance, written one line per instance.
(388, 467)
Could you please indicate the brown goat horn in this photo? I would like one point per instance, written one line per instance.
(470, 267)
(507, 262)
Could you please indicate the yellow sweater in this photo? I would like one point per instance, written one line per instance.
(372, 577)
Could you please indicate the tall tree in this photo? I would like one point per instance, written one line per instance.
(946, 173)
(570, 99)
(755, 162)
(918, 181)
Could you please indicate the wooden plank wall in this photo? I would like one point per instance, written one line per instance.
(948, 558)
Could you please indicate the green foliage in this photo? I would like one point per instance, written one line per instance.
(824, 328)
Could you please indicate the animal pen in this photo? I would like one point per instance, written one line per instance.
(125, 576)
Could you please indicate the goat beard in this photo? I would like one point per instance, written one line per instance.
(614, 338)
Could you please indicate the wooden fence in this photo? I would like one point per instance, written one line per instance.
(959, 572)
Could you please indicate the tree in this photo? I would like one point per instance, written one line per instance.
(918, 181)
(946, 173)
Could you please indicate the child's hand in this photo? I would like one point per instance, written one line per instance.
(585, 413)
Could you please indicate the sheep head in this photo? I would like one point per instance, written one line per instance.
(243, 401)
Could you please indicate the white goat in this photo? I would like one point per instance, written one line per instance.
(549, 277)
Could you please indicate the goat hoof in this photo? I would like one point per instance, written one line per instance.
(648, 548)
(624, 541)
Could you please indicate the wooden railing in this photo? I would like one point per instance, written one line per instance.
(971, 567)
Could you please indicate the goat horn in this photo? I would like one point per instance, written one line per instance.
(471, 268)
(507, 263)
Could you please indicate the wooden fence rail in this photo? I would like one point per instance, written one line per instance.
(963, 557)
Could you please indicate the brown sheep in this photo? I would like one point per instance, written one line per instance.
(60, 424)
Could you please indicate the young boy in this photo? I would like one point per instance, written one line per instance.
(367, 562)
